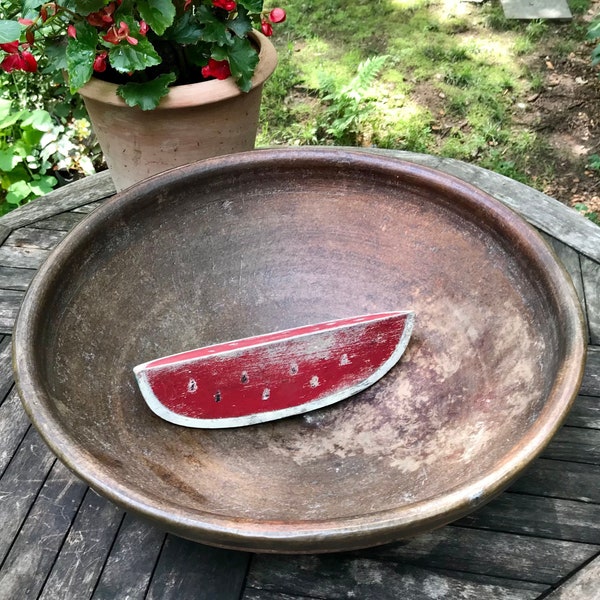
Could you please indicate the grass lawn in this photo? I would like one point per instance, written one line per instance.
(448, 77)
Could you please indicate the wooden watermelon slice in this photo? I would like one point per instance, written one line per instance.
(275, 375)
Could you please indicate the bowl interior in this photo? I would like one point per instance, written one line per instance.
(272, 240)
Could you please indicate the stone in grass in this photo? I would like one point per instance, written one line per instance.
(536, 9)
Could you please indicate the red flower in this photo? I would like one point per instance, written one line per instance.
(100, 62)
(277, 15)
(114, 35)
(187, 4)
(17, 59)
(143, 28)
(72, 32)
(103, 18)
(216, 68)
(10, 47)
(228, 5)
(266, 28)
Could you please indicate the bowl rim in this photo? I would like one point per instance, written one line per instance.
(343, 533)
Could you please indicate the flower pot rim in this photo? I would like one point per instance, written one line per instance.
(180, 96)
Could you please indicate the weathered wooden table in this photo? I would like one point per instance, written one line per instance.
(60, 540)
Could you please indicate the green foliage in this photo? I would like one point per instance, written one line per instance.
(32, 147)
(135, 42)
(585, 210)
(349, 105)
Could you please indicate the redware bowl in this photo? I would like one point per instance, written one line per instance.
(268, 240)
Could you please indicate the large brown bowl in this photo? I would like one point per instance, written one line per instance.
(257, 242)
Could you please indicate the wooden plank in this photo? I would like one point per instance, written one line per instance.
(131, 561)
(61, 200)
(14, 278)
(33, 553)
(20, 485)
(585, 412)
(542, 517)
(32, 237)
(62, 222)
(492, 553)
(10, 301)
(4, 233)
(252, 594)
(189, 571)
(87, 208)
(24, 258)
(561, 479)
(346, 576)
(6, 371)
(543, 212)
(590, 386)
(570, 259)
(575, 444)
(591, 283)
(13, 426)
(584, 585)
(84, 552)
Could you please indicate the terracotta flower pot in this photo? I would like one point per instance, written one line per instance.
(191, 123)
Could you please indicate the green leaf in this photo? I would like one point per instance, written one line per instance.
(596, 55)
(43, 185)
(146, 95)
(38, 119)
(8, 160)
(126, 58)
(213, 29)
(242, 58)
(252, 6)
(83, 7)
(9, 31)
(8, 118)
(184, 30)
(31, 5)
(81, 53)
(241, 25)
(594, 30)
(159, 14)
(17, 192)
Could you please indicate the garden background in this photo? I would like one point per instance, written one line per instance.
(453, 78)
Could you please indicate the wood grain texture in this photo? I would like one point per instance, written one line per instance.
(346, 576)
(24, 258)
(16, 278)
(560, 479)
(190, 571)
(20, 484)
(543, 517)
(6, 379)
(591, 283)
(84, 552)
(40, 539)
(582, 586)
(10, 301)
(32, 237)
(13, 426)
(575, 444)
(590, 386)
(494, 553)
(131, 561)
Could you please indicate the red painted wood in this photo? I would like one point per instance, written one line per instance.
(274, 375)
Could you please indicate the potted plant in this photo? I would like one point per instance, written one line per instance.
(165, 82)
